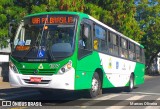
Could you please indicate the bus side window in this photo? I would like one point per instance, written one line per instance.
(85, 40)
(137, 53)
(85, 37)
(113, 43)
(110, 40)
(99, 38)
(142, 55)
(131, 51)
(123, 48)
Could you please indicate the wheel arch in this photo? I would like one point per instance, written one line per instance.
(132, 73)
(100, 73)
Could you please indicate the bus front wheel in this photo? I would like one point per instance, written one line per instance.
(95, 86)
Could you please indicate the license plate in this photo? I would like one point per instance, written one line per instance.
(35, 79)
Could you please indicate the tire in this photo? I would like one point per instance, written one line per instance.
(131, 84)
(95, 86)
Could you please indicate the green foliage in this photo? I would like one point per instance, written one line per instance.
(94, 10)
(6, 2)
(71, 5)
(3, 21)
(53, 5)
(41, 8)
(148, 17)
(119, 14)
(3, 42)
(140, 21)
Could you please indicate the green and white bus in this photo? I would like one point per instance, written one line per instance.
(73, 51)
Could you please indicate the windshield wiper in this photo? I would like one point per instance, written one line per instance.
(50, 53)
(27, 52)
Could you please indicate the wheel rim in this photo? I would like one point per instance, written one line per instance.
(94, 85)
(131, 83)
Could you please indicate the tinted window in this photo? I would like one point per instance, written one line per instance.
(123, 48)
(137, 53)
(99, 38)
(131, 51)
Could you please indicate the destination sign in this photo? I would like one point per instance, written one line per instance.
(52, 20)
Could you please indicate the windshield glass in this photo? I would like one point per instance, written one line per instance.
(45, 38)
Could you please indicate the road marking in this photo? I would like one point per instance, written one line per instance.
(152, 107)
(17, 108)
(97, 100)
(158, 99)
(107, 97)
(145, 93)
(136, 97)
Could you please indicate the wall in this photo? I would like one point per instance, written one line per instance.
(4, 62)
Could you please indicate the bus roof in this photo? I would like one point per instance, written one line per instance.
(58, 12)
(86, 16)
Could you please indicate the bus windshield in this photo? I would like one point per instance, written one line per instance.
(45, 38)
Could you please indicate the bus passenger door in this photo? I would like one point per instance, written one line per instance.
(85, 64)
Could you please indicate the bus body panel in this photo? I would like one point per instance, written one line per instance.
(64, 81)
(48, 72)
(139, 73)
(85, 70)
(116, 71)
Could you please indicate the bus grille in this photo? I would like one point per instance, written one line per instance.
(40, 71)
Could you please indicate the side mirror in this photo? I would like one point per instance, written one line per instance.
(12, 30)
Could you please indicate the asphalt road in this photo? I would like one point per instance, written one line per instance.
(145, 96)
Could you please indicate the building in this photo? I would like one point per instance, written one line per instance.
(4, 62)
(4, 53)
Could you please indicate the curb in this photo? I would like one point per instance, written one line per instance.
(3, 79)
(4, 85)
(148, 77)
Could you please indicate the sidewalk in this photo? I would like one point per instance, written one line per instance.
(5, 85)
(148, 77)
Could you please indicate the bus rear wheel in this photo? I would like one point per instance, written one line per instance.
(131, 84)
(95, 86)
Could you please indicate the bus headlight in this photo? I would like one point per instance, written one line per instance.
(13, 67)
(65, 68)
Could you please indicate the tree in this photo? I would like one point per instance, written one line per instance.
(148, 17)
(3, 22)
(118, 14)
(15, 10)
(10, 10)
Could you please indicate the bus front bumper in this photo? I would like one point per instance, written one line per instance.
(63, 81)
